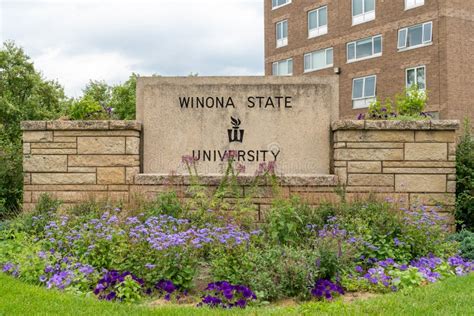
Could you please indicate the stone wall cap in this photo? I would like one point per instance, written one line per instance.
(395, 125)
(236, 80)
(286, 180)
(33, 125)
(63, 125)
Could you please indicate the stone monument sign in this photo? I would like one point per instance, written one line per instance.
(256, 120)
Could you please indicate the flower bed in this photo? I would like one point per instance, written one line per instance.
(299, 252)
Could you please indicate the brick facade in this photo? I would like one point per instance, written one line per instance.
(449, 59)
(408, 162)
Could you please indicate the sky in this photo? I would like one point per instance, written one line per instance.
(73, 41)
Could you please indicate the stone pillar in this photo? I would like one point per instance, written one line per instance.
(409, 162)
(77, 161)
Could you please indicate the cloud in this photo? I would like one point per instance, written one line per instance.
(76, 70)
(75, 41)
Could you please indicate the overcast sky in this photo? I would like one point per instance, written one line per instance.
(77, 40)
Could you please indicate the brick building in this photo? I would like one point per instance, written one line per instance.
(378, 47)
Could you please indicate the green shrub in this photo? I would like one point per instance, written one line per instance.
(46, 204)
(11, 177)
(165, 204)
(412, 101)
(287, 221)
(466, 243)
(465, 179)
(272, 272)
(409, 106)
(380, 111)
(129, 290)
(383, 232)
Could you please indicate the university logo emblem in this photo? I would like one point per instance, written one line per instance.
(235, 133)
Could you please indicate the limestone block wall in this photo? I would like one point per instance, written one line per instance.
(314, 189)
(406, 162)
(409, 161)
(77, 161)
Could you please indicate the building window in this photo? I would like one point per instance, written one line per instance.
(409, 4)
(318, 22)
(415, 36)
(363, 11)
(283, 67)
(363, 91)
(282, 33)
(416, 76)
(318, 60)
(279, 3)
(364, 49)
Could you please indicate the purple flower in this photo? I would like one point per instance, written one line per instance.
(86, 269)
(110, 296)
(326, 289)
(8, 267)
(226, 295)
(150, 266)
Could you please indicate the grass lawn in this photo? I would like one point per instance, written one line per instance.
(451, 297)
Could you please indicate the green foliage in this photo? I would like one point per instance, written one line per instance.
(129, 290)
(46, 204)
(465, 239)
(101, 101)
(287, 221)
(87, 109)
(98, 91)
(409, 106)
(426, 232)
(465, 179)
(93, 105)
(123, 98)
(407, 279)
(24, 95)
(272, 272)
(11, 178)
(380, 111)
(412, 101)
(165, 204)
(328, 263)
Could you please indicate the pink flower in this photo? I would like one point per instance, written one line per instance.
(240, 168)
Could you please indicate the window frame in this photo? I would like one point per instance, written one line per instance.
(364, 97)
(282, 61)
(374, 55)
(416, 76)
(281, 5)
(423, 42)
(366, 16)
(283, 41)
(407, 7)
(325, 58)
(320, 30)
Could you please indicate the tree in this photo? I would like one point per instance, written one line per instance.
(24, 95)
(101, 101)
(99, 91)
(465, 179)
(124, 98)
